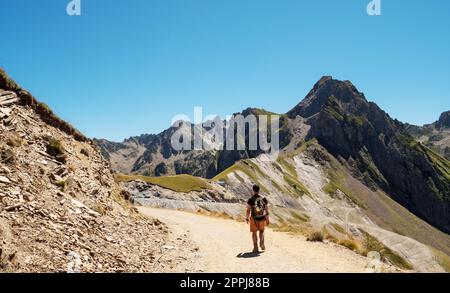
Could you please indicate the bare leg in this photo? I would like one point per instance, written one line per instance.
(261, 240)
(255, 242)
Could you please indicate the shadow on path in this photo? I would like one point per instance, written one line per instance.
(248, 254)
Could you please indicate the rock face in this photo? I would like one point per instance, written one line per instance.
(435, 135)
(60, 207)
(378, 149)
(444, 121)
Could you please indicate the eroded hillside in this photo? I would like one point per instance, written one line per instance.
(60, 207)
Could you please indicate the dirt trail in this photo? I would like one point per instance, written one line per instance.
(224, 246)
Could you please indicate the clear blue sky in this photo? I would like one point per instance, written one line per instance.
(127, 67)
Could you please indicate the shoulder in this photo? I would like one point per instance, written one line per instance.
(251, 200)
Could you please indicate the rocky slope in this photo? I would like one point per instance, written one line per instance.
(60, 207)
(435, 135)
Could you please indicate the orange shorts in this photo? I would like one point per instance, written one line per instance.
(256, 226)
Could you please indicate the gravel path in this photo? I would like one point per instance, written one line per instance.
(224, 246)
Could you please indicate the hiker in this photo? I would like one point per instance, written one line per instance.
(258, 216)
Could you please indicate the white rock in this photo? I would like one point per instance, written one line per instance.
(78, 204)
(6, 169)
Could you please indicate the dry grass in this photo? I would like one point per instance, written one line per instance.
(316, 236)
(55, 149)
(14, 140)
(61, 184)
(101, 209)
(338, 228)
(350, 244)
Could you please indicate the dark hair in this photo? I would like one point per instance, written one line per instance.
(256, 188)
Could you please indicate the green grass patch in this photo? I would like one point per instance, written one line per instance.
(338, 228)
(300, 216)
(248, 168)
(55, 149)
(178, 183)
(442, 164)
(304, 146)
(336, 183)
(287, 166)
(296, 185)
(333, 108)
(61, 184)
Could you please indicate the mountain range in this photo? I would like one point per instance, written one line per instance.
(379, 151)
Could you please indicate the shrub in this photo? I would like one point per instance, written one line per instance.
(7, 83)
(315, 236)
(85, 152)
(14, 140)
(101, 209)
(55, 149)
(61, 184)
(350, 244)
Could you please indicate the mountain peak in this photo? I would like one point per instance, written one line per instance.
(324, 79)
(444, 120)
(344, 91)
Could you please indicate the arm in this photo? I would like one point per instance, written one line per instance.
(247, 214)
(267, 207)
(267, 212)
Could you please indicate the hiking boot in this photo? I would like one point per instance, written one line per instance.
(263, 247)
(255, 250)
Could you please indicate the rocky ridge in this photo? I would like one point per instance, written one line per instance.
(435, 135)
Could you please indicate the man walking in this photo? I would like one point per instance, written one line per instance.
(258, 216)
